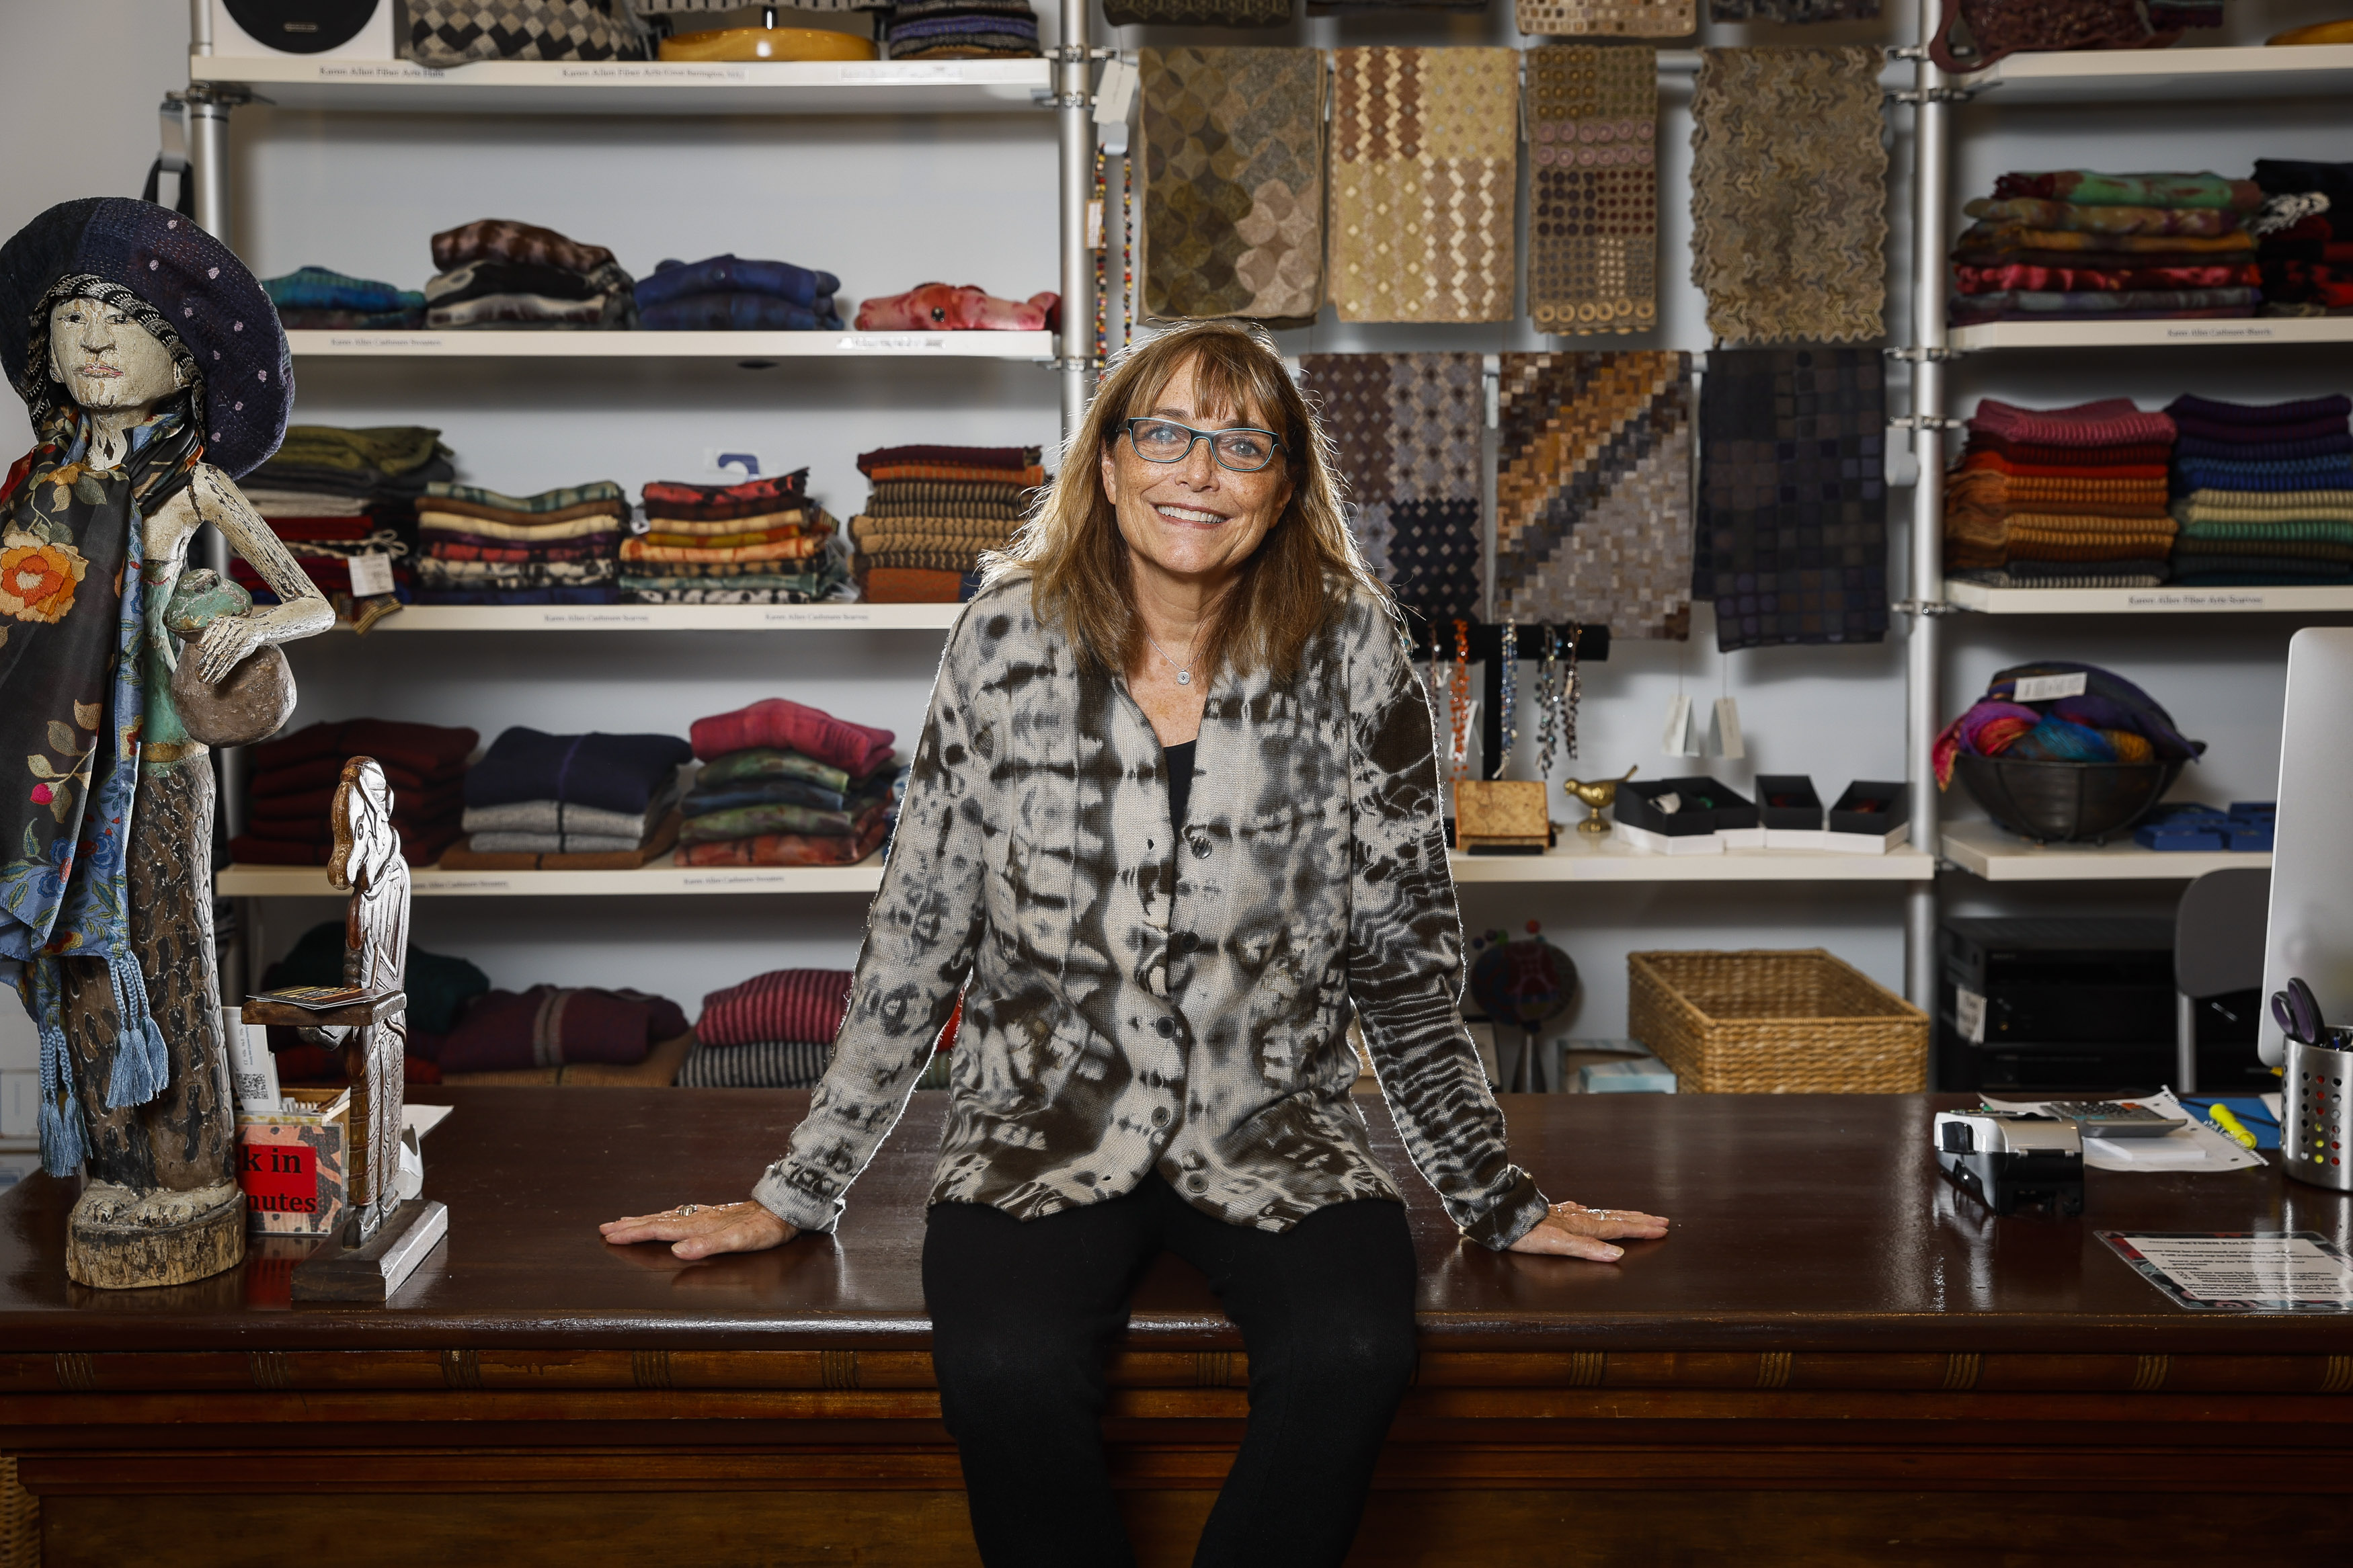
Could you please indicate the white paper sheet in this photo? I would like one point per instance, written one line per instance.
(2195, 1148)
(2276, 1272)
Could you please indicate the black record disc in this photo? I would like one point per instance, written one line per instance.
(303, 26)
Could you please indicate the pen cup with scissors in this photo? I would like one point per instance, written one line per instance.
(2315, 1127)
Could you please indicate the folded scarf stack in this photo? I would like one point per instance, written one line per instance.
(2061, 498)
(729, 294)
(963, 30)
(315, 298)
(558, 547)
(2110, 720)
(2306, 248)
(509, 276)
(571, 802)
(2078, 246)
(329, 494)
(549, 1027)
(784, 785)
(774, 1031)
(932, 512)
(290, 790)
(761, 542)
(2264, 494)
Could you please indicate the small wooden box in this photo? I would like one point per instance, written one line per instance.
(1501, 813)
(293, 1164)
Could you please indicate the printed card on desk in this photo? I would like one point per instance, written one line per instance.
(292, 1164)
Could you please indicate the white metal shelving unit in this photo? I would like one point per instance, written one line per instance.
(738, 346)
(2171, 75)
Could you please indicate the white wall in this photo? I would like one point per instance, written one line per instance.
(889, 204)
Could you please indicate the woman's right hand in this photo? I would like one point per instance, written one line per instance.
(702, 1230)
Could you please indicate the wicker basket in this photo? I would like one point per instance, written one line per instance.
(20, 1521)
(1774, 1023)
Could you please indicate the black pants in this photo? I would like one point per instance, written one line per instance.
(1023, 1313)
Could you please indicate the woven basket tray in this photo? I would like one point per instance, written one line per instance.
(1774, 1023)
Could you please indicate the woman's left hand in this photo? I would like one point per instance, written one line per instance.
(1572, 1230)
(224, 646)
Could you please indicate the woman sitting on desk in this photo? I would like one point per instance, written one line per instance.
(1174, 814)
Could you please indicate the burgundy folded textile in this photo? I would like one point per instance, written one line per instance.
(796, 1004)
(777, 492)
(2067, 185)
(323, 772)
(548, 1026)
(2267, 417)
(856, 749)
(1013, 458)
(2088, 279)
(303, 530)
(785, 849)
(480, 547)
(421, 807)
(2078, 458)
(422, 750)
(2111, 422)
(250, 849)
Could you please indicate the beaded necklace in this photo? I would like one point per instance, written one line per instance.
(1460, 698)
(1508, 650)
(1568, 695)
(1548, 703)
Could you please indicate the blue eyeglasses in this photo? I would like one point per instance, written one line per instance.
(1245, 451)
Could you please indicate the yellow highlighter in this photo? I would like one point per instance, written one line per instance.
(2220, 1116)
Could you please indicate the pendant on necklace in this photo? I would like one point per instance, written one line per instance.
(1184, 677)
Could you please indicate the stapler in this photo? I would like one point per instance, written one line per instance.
(2011, 1160)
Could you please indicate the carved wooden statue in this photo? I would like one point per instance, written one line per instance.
(376, 946)
(154, 371)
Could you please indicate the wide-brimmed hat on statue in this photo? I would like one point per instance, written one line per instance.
(180, 283)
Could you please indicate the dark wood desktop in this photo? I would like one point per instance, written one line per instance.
(1834, 1358)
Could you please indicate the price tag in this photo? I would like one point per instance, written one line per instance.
(1969, 1014)
(371, 575)
(2044, 688)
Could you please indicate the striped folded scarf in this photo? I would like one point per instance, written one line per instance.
(796, 1004)
(2329, 530)
(771, 1064)
(2265, 450)
(2086, 574)
(2309, 474)
(2109, 422)
(2260, 415)
(2193, 544)
(544, 501)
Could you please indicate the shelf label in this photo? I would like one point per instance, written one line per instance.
(595, 619)
(376, 70)
(904, 71)
(640, 73)
(458, 882)
(2232, 332)
(1969, 1014)
(2180, 600)
(378, 342)
(816, 616)
(894, 344)
(2049, 688)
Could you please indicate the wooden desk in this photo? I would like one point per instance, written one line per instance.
(1835, 1358)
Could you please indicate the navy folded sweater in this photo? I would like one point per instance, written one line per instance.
(611, 772)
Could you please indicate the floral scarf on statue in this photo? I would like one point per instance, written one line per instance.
(72, 699)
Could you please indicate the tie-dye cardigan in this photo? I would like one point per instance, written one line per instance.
(1136, 999)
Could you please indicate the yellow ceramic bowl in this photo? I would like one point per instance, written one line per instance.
(2324, 33)
(768, 44)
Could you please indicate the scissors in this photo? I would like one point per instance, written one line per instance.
(2297, 1012)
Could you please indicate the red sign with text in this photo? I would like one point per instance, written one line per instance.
(281, 1178)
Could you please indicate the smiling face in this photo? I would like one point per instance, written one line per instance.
(1193, 518)
(107, 360)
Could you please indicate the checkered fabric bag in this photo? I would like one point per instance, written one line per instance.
(444, 33)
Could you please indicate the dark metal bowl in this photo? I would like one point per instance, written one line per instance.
(2066, 803)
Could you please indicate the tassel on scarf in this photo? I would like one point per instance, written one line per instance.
(141, 1065)
(61, 1144)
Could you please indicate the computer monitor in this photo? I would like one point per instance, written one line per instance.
(2310, 929)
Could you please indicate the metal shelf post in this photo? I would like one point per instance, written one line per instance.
(1074, 130)
(1931, 178)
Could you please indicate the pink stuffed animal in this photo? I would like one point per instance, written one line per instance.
(937, 307)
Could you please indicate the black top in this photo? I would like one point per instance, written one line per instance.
(1179, 760)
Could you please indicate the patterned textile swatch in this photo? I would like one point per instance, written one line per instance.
(1792, 542)
(1233, 184)
(1407, 430)
(1593, 219)
(1792, 10)
(1607, 19)
(1789, 195)
(1424, 178)
(1593, 504)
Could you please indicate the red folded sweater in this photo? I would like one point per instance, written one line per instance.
(796, 1004)
(857, 749)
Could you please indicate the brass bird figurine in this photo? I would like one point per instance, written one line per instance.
(1599, 795)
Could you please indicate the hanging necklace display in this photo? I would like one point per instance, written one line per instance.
(1437, 666)
(1568, 696)
(1508, 697)
(1548, 702)
(1460, 696)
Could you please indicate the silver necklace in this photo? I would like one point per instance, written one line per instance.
(1184, 674)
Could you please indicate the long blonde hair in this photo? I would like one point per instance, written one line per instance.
(1286, 590)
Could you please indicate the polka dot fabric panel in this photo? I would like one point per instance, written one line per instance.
(1593, 220)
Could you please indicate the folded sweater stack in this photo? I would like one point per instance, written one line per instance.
(2061, 498)
(574, 803)
(774, 1031)
(547, 1028)
(2306, 245)
(509, 276)
(330, 494)
(558, 547)
(930, 513)
(2263, 494)
(315, 298)
(761, 542)
(784, 785)
(290, 793)
(2078, 246)
(963, 30)
(729, 294)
